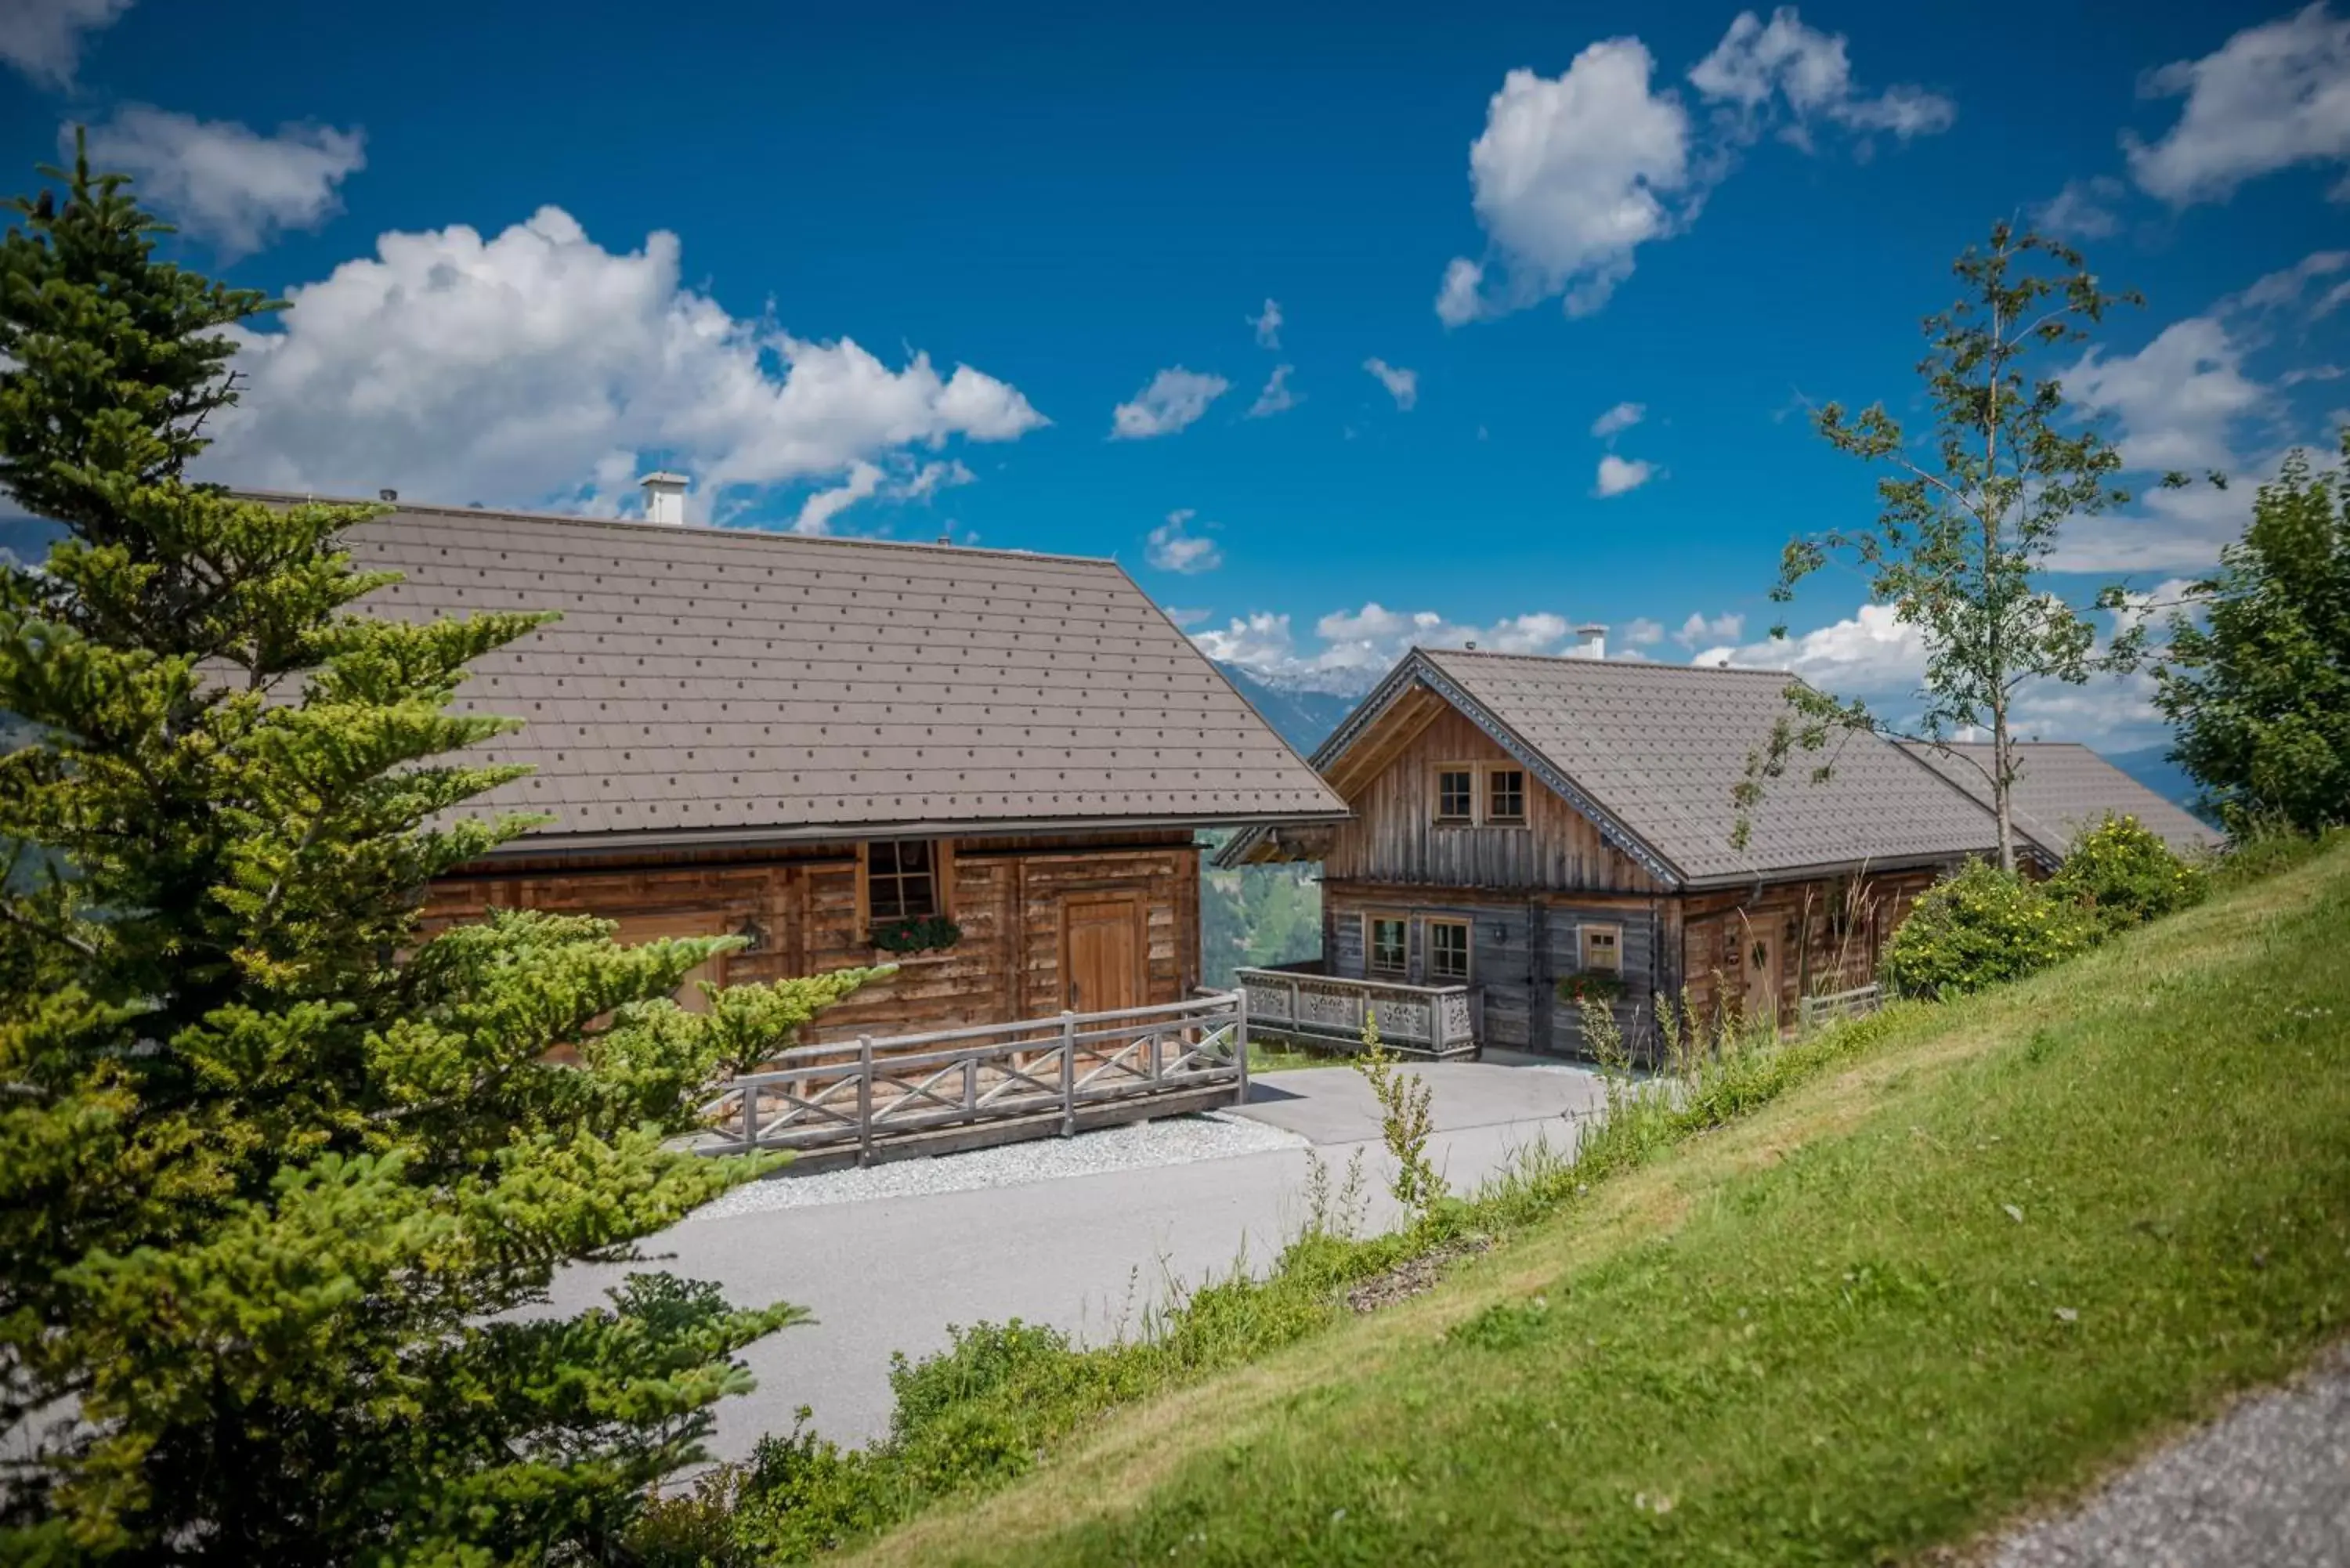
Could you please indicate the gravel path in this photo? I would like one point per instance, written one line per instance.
(2265, 1486)
(1175, 1140)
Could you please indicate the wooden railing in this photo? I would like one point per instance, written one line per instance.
(1433, 1021)
(998, 1083)
(1853, 1004)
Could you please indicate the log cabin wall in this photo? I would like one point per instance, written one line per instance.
(1811, 936)
(1394, 836)
(1011, 896)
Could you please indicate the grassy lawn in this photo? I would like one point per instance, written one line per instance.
(2013, 1243)
(1282, 1057)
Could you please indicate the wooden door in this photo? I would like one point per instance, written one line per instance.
(1761, 1001)
(1103, 947)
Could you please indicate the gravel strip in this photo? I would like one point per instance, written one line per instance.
(2265, 1486)
(1170, 1140)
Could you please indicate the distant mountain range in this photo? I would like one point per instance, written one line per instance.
(1302, 717)
(1305, 718)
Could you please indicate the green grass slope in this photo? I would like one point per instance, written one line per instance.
(2018, 1241)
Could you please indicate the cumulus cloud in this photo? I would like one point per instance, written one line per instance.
(43, 38)
(1701, 629)
(1573, 173)
(2271, 97)
(2177, 399)
(224, 183)
(1184, 617)
(1402, 385)
(1869, 654)
(2083, 210)
(818, 510)
(1174, 399)
(1172, 548)
(1277, 398)
(535, 367)
(1618, 475)
(1267, 323)
(1352, 649)
(1782, 71)
(1642, 632)
(1619, 419)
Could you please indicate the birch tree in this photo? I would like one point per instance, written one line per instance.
(1971, 508)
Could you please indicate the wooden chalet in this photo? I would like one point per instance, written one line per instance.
(808, 741)
(1524, 826)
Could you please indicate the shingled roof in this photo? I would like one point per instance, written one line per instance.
(2062, 788)
(1651, 753)
(726, 685)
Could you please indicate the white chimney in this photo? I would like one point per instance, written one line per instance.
(1595, 640)
(664, 496)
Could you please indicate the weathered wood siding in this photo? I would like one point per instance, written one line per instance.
(1830, 932)
(1394, 837)
(1006, 894)
(1520, 947)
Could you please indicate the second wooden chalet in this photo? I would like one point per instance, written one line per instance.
(1525, 828)
(986, 766)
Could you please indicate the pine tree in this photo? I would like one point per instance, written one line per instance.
(274, 1166)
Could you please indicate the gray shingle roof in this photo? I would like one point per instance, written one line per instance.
(723, 682)
(2062, 788)
(1661, 747)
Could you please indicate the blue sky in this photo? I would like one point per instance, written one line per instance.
(1005, 276)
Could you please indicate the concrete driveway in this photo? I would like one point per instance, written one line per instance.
(1087, 1253)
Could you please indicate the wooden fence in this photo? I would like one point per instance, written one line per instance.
(1850, 1004)
(999, 1083)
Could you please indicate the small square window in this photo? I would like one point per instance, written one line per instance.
(1448, 950)
(1386, 944)
(1603, 950)
(1505, 795)
(1456, 794)
(900, 879)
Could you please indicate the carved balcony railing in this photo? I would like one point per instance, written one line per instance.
(1438, 1021)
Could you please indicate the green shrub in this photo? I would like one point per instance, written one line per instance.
(1978, 927)
(2269, 846)
(2123, 875)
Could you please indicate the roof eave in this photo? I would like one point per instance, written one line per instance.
(1718, 881)
(623, 840)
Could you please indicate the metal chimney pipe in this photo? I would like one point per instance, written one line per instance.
(1595, 639)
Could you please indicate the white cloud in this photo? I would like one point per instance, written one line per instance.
(43, 38)
(818, 510)
(2083, 210)
(224, 183)
(2283, 289)
(1174, 399)
(1277, 398)
(933, 477)
(1355, 648)
(1759, 69)
(1183, 617)
(1571, 175)
(2177, 398)
(1619, 419)
(1617, 475)
(1642, 632)
(1402, 385)
(536, 366)
(1172, 547)
(2311, 373)
(1870, 655)
(1701, 629)
(1267, 323)
(2269, 97)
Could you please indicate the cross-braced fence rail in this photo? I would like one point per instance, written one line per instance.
(998, 1083)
